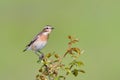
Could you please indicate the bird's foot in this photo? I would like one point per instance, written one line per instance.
(41, 57)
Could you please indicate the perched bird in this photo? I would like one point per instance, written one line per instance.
(40, 40)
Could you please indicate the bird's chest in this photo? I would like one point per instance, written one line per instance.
(39, 45)
(40, 42)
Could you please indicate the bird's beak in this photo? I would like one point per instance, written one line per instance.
(52, 28)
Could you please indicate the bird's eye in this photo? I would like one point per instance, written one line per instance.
(47, 28)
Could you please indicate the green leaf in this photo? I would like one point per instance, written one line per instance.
(48, 55)
(77, 63)
(56, 56)
(68, 71)
(75, 72)
(61, 78)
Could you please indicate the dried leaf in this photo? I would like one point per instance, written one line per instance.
(42, 77)
(56, 56)
(74, 41)
(70, 37)
(66, 53)
(82, 71)
(77, 50)
(48, 55)
(40, 70)
(37, 75)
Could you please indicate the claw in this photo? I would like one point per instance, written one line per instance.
(41, 56)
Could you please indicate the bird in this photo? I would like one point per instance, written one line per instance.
(40, 40)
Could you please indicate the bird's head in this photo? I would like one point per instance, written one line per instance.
(47, 29)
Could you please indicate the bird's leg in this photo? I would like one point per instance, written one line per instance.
(40, 52)
(41, 56)
(37, 53)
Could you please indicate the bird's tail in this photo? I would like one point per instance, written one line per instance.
(24, 49)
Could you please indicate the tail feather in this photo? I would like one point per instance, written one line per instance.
(24, 50)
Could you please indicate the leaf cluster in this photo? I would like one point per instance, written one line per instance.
(52, 63)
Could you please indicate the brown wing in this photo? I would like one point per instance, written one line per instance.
(30, 43)
(34, 39)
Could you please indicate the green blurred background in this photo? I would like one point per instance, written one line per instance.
(95, 22)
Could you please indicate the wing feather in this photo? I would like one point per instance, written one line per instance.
(34, 39)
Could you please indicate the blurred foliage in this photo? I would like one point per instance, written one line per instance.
(51, 64)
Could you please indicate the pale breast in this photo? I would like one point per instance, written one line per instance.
(38, 45)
